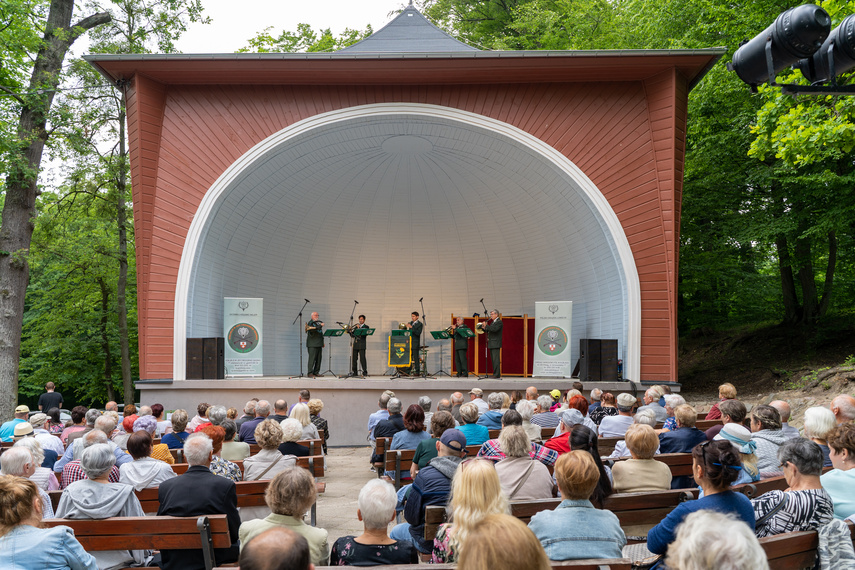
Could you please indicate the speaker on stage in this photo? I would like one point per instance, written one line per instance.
(598, 360)
(195, 368)
(205, 358)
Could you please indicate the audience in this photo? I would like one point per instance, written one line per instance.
(767, 435)
(843, 408)
(643, 417)
(641, 473)
(200, 418)
(651, 402)
(476, 397)
(55, 425)
(607, 407)
(596, 397)
(23, 539)
(525, 408)
(709, 540)
(300, 412)
(376, 509)
(97, 498)
(784, 410)
(575, 529)
(73, 470)
(726, 391)
(569, 418)
(247, 428)
(682, 440)
(475, 493)
(804, 505)
(280, 411)
(266, 463)
(91, 415)
(543, 417)
(840, 481)
(715, 466)
(7, 430)
(426, 450)
(164, 426)
(42, 476)
(379, 415)
(248, 413)
(78, 423)
(394, 423)
(492, 418)
(740, 438)
(457, 400)
(144, 471)
(616, 425)
(503, 542)
(492, 449)
(732, 412)
(425, 403)
(475, 434)
(321, 425)
(233, 450)
(292, 432)
(290, 494)
(176, 438)
(149, 425)
(819, 422)
(414, 430)
(20, 462)
(199, 492)
(672, 402)
(277, 548)
(431, 487)
(521, 477)
(44, 437)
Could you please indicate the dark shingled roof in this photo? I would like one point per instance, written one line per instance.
(410, 32)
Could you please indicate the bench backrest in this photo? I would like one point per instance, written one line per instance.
(794, 550)
(314, 463)
(679, 463)
(587, 564)
(494, 433)
(399, 461)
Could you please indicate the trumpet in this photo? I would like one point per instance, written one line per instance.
(402, 326)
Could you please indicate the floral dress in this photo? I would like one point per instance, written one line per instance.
(347, 552)
(227, 469)
(442, 553)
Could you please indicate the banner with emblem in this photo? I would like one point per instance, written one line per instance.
(242, 320)
(552, 339)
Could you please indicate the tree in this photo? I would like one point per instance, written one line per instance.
(23, 163)
(305, 39)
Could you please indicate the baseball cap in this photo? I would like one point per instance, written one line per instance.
(626, 400)
(555, 394)
(22, 410)
(23, 429)
(477, 391)
(38, 420)
(571, 416)
(454, 439)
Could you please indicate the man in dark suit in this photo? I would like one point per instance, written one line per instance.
(415, 327)
(199, 492)
(315, 344)
(494, 342)
(461, 350)
(359, 343)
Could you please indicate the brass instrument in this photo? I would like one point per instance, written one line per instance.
(479, 327)
(402, 326)
(449, 330)
(308, 328)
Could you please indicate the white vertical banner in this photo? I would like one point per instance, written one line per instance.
(242, 320)
(552, 339)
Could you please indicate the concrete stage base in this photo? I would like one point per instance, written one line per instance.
(347, 402)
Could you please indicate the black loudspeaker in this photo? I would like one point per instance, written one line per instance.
(195, 368)
(597, 360)
(214, 358)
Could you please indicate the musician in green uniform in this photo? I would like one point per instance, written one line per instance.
(461, 350)
(315, 344)
(359, 343)
(415, 327)
(493, 328)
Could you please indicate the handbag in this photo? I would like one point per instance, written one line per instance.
(641, 557)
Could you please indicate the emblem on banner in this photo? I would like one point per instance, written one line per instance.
(243, 305)
(553, 309)
(552, 341)
(243, 337)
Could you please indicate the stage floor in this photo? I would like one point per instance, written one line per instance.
(347, 401)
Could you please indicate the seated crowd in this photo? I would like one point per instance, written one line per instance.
(548, 448)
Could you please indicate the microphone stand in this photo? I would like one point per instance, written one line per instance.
(299, 338)
(421, 346)
(487, 354)
(352, 342)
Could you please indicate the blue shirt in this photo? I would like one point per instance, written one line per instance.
(26, 547)
(475, 434)
(576, 530)
(175, 440)
(7, 430)
(408, 439)
(491, 419)
(839, 484)
(663, 534)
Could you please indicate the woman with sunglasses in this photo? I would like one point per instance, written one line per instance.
(715, 466)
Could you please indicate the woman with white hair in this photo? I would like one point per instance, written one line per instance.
(97, 498)
(301, 414)
(709, 539)
(672, 401)
(521, 477)
(526, 411)
(292, 432)
(819, 422)
(43, 477)
(376, 509)
(642, 417)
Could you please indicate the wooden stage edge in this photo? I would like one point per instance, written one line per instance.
(347, 402)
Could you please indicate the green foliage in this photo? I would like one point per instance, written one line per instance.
(305, 39)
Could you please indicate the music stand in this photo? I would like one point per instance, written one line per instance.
(440, 335)
(356, 333)
(331, 333)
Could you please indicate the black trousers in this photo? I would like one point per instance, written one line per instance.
(414, 356)
(495, 358)
(315, 354)
(360, 354)
(461, 362)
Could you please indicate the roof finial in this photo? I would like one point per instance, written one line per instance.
(411, 2)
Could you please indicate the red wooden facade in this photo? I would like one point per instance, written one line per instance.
(620, 117)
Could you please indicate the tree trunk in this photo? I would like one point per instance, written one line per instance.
(19, 209)
(122, 284)
(792, 310)
(807, 281)
(829, 274)
(105, 339)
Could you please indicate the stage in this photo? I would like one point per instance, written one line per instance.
(347, 402)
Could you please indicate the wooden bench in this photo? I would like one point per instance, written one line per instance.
(794, 550)
(586, 564)
(314, 463)
(151, 533)
(381, 444)
(177, 455)
(680, 464)
(494, 433)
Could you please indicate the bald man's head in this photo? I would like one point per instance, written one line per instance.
(279, 548)
(843, 407)
(783, 409)
(531, 393)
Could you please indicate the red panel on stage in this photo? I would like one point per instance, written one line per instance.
(513, 346)
(530, 347)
